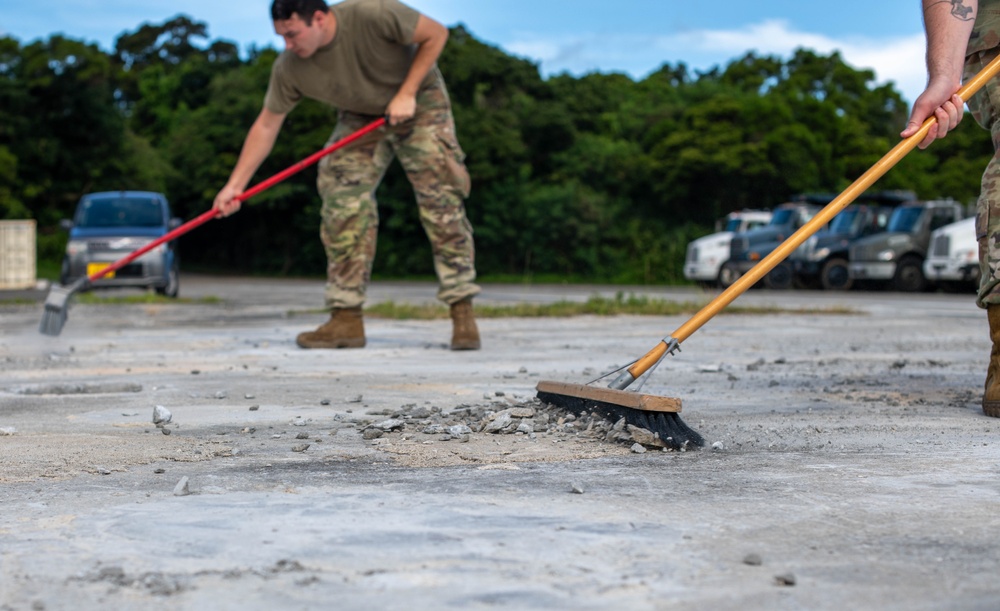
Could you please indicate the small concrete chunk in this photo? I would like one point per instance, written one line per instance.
(786, 579)
(161, 415)
(389, 425)
(182, 488)
(458, 431)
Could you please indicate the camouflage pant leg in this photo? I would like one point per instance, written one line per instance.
(346, 181)
(428, 149)
(984, 106)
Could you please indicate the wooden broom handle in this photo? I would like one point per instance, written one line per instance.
(822, 217)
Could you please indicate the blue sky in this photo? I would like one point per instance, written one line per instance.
(576, 36)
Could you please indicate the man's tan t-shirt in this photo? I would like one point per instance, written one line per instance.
(361, 70)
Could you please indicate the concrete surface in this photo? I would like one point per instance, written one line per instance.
(847, 463)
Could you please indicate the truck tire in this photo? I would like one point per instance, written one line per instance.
(780, 278)
(728, 275)
(835, 275)
(909, 277)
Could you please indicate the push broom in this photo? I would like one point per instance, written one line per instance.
(660, 414)
(57, 302)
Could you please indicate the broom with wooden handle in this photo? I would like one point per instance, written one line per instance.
(660, 414)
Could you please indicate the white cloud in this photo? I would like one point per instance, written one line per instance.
(900, 59)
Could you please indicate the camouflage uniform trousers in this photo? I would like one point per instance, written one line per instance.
(434, 162)
(985, 107)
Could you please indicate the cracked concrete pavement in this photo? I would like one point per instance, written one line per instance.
(847, 463)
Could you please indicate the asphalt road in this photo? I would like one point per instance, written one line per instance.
(847, 462)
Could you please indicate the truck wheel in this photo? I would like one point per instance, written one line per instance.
(909, 276)
(779, 278)
(835, 276)
(728, 275)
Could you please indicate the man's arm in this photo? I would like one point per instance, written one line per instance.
(948, 24)
(430, 38)
(257, 146)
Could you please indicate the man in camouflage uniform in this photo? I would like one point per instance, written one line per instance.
(962, 37)
(370, 58)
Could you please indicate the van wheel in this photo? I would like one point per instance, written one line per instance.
(909, 276)
(173, 287)
(835, 275)
(779, 278)
(728, 275)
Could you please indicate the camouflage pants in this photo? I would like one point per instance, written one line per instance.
(434, 162)
(985, 107)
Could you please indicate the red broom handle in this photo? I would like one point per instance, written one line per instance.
(214, 212)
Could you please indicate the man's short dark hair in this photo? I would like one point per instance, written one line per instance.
(282, 10)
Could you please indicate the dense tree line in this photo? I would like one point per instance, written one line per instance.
(599, 177)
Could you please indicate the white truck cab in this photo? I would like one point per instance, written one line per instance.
(706, 255)
(953, 258)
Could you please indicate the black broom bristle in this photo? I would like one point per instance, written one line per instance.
(668, 426)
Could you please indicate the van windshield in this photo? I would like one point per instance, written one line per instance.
(119, 212)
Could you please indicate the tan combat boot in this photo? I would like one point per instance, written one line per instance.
(991, 396)
(464, 333)
(345, 329)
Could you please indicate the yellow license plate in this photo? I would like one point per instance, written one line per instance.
(93, 268)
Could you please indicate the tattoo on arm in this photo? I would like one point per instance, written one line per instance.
(959, 10)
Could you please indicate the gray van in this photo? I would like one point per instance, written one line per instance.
(108, 226)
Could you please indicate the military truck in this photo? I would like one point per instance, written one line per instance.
(953, 261)
(747, 249)
(895, 257)
(706, 254)
(822, 261)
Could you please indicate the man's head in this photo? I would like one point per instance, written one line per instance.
(305, 25)
(282, 10)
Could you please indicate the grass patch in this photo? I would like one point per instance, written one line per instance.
(144, 298)
(594, 306)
